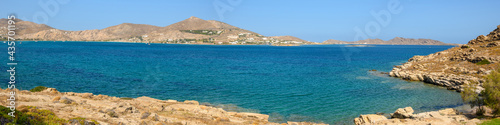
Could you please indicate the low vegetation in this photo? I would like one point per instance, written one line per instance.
(489, 97)
(38, 89)
(491, 122)
(484, 61)
(28, 115)
(82, 121)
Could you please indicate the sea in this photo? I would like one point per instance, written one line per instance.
(317, 83)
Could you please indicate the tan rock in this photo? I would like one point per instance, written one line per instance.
(406, 112)
(254, 116)
(191, 102)
(145, 115)
(56, 98)
(86, 95)
(448, 111)
(172, 101)
(113, 110)
(66, 100)
(369, 119)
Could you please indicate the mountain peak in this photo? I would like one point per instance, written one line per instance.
(192, 23)
(194, 18)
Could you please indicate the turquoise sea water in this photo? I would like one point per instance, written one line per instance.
(329, 83)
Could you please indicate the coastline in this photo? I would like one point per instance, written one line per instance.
(455, 67)
(355, 45)
(106, 110)
(448, 116)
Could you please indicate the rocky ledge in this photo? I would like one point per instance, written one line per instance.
(405, 116)
(457, 66)
(106, 110)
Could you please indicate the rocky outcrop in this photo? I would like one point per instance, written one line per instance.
(442, 117)
(109, 110)
(402, 113)
(455, 67)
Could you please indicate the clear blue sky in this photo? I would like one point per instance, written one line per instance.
(450, 21)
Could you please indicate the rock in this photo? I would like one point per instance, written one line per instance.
(100, 97)
(479, 39)
(145, 115)
(112, 113)
(415, 58)
(403, 113)
(472, 50)
(191, 102)
(66, 100)
(51, 91)
(413, 77)
(368, 119)
(261, 117)
(173, 101)
(493, 44)
(448, 111)
(442, 117)
(154, 117)
(87, 95)
(481, 71)
(109, 111)
(57, 98)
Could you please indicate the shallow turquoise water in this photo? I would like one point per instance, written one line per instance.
(328, 83)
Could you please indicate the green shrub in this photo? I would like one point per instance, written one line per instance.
(38, 89)
(489, 97)
(491, 91)
(484, 61)
(30, 116)
(82, 121)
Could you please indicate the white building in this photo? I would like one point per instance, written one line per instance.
(232, 37)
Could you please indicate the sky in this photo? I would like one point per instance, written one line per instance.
(456, 21)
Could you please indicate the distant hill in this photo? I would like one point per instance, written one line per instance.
(394, 41)
(289, 38)
(23, 27)
(191, 30)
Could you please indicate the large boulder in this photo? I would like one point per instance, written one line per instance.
(369, 119)
(403, 113)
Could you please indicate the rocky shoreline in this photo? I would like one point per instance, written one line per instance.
(455, 67)
(108, 110)
(405, 116)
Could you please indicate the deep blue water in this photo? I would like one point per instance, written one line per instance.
(329, 83)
